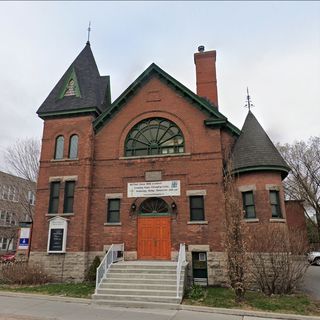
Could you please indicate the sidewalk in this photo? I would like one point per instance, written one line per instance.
(19, 306)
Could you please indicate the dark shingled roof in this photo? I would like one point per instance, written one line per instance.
(254, 151)
(94, 89)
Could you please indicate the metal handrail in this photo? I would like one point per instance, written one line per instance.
(110, 257)
(181, 260)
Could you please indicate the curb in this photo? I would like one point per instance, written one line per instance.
(235, 312)
(44, 297)
(240, 312)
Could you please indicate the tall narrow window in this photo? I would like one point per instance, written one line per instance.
(73, 147)
(54, 197)
(58, 152)
(68, 197)
(248, 205)
(196, 208)
(5, 192)
(275, 204)
(4, 243)
(31, 198)
(113, 214)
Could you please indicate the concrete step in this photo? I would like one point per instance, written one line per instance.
(138, 304)
(138, 292)
(110, 297)
(163, 281)
(139, 286)
(154, 276)
(145, 271)
(123, 265)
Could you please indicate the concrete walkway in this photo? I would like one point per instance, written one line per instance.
(36, 307)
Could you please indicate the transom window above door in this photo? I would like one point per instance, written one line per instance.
(154, 136)
(154, 206)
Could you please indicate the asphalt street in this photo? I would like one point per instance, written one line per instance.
(311, 283)
(41, 308)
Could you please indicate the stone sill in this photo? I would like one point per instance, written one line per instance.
(64, 160)
(59, 214)
(56, 252)
(156, 156)
(113, 224)
(197, 222)
(282, 220)
(252, 220)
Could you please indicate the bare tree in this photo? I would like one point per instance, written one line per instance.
(303, 182)
(235, 236)
(22, 159)
(278, 264)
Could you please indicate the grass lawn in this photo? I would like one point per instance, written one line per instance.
(224, 298)
(77, 290)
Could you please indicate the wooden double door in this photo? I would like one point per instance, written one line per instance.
(154, 238)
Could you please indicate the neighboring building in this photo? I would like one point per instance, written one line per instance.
(17, 200)
(146, 170)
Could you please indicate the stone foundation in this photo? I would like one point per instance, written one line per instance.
(216, 264)
(72, 266)
(64, 267)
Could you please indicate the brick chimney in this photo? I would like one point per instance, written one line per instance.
(206, 78)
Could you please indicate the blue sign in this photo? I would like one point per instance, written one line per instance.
(24, 242)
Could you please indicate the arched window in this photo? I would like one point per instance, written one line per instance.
(58, 152)
(154, 136)
(153, 206)
(73, 147)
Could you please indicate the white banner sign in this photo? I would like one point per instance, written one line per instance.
(154, 189)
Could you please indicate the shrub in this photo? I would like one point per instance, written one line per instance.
(92, 271)
(23, 273)
(278, 264)
(196, 292)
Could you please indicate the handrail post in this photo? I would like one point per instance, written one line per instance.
(181, 260)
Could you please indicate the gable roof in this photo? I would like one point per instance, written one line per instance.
(94, 89)
(154, 70)
(254, 151)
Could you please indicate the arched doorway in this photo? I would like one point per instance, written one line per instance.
(154, 230)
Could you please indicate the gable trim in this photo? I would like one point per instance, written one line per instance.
(198, 102)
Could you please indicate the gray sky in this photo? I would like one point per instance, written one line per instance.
(271, 47)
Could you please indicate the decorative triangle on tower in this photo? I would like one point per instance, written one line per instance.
(81, 90)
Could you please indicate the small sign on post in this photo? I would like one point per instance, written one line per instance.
(57, 235)
(24, 239)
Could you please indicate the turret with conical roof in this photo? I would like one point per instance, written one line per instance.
(81, 90)
(254, 151)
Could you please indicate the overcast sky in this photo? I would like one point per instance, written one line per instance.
(271, 47)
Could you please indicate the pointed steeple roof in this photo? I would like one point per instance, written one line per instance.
(91, 91)
(254, 151)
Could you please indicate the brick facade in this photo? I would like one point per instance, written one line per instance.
(102, 169)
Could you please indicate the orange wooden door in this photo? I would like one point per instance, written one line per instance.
(154, 238)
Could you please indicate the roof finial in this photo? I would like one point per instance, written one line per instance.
(248, 104)
(89, 30)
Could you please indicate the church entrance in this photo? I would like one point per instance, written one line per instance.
(154, 230)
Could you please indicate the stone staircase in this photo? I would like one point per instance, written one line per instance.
(141, 284)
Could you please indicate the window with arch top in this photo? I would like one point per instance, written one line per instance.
(73, 147)
(154, 136)
(58, 151)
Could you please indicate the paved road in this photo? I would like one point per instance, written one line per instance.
(311, 283)
(36, 308)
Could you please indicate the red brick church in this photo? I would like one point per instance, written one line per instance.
(146, 170)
